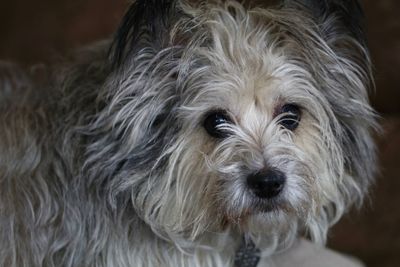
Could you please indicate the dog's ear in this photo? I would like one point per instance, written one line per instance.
(344, 16)
(145, 24)
(341, 24)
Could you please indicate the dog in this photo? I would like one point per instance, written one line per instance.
(202, 133)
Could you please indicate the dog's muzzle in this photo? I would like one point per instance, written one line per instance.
(266, 184)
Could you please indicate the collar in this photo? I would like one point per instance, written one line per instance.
(247, 254)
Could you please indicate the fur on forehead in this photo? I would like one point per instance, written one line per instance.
(148, 22)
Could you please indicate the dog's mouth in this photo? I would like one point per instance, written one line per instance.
(257, 206)
(268, 206)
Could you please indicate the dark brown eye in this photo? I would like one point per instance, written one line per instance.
(291, 116)
(214, 122)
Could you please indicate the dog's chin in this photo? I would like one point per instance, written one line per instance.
(263, 211)
(270, 222)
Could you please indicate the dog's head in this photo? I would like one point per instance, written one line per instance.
(225, 115)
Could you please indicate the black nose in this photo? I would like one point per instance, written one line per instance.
(266, 184)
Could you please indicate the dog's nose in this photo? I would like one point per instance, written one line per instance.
(267, 184)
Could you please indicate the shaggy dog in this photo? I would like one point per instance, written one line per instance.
(202, 128)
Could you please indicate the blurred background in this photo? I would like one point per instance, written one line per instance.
(39, 31)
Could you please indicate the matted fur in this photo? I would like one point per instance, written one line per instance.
(108, 164)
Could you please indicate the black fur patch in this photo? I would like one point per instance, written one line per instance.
(349, 13)
(145, 23)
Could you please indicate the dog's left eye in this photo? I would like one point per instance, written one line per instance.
(214, 122)
(291, 116)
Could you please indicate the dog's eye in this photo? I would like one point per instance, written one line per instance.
(291, 116)
(214, 122)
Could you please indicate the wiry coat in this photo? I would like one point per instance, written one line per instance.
(107, 162)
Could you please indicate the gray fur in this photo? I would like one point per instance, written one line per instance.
(107, 163)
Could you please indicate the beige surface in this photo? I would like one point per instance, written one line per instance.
(307, 254)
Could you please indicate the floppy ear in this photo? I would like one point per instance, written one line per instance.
(145, 24)
(344, 16)
(341, 23)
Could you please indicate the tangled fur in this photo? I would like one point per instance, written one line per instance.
(107, 162)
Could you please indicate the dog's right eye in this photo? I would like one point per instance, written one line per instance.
(291, 116)
(214, 123)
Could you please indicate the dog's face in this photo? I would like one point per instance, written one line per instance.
(238, 117)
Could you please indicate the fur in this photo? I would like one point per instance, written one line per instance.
(107, 163)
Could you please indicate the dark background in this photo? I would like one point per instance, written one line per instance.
(39, 31)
